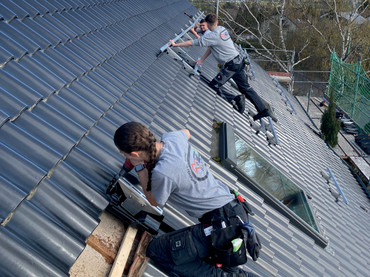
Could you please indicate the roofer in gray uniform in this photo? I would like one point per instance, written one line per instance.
(172, 170)
(223, 49)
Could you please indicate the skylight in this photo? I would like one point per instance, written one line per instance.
(258, 174)
(273, 181)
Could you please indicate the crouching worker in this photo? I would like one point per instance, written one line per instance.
(172, 170)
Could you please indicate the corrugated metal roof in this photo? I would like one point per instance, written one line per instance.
(73, 71)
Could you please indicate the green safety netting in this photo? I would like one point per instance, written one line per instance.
(351, 87)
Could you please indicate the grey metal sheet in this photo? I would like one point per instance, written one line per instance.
(38, 39)
(44, 237)
(47, 22)
(81, 103)
(61, 71)
(45, 132)
(91, 95)
(111, 78)
(20, 38)
(43, 31)
(84, 55)
(75, 70)
(11, 46)
(51, 5)
(74, 29)
(66, 51)
(44, 73)
(5, 56)
(119, 74)
(100, 16)
(65, 114)
(9, 105)
(88, 19)
(28, 78)
(87, 46)
(31, 148)
(59, 120)
(75, 17)
(12, 163)
(10, 197)
(33, 7)
(18, 250)
(11, 10)
(21, 91)
(79, 190)
(53, 201)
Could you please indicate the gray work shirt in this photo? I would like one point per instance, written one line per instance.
(222, 46)
(183, 178)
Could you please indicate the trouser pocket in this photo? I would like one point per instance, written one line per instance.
(182, 248)
(223, 251)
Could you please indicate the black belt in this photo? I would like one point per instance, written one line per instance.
(232, 60)
(207, 217)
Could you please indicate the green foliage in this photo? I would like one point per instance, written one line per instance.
(330, 125)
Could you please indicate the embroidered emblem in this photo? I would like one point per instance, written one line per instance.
(224, 35)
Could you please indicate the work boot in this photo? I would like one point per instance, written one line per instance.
(261, 114)
(240, 103)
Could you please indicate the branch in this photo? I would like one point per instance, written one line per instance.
(320, 33)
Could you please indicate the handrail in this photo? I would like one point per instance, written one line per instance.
(164, 47)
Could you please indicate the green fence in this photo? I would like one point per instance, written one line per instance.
(351, 86)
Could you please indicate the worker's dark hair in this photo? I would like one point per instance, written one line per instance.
(134, 136)
(211, 18)
(202, 20)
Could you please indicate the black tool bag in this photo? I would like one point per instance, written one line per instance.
(222, 248)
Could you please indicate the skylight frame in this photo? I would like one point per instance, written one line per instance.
(227, 153)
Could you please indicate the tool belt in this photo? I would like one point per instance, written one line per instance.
(225, 227)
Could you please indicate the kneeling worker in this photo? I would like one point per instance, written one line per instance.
(172, 170)
(223, 49)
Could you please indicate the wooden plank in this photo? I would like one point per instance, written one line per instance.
(123, 252)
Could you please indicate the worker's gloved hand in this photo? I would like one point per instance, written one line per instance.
(251, 240)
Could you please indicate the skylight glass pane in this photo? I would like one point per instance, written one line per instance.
(270, 178)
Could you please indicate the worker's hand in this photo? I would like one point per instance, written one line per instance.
(198, 61)
(173, 44)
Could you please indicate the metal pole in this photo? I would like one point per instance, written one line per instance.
(309, 98)
(217, 8)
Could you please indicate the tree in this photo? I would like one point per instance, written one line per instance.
(313, 28)
(330, 125)
(267, 25)
(336, 24)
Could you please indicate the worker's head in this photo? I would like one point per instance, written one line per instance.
(203, 25)
(212, 21)
(135, 142)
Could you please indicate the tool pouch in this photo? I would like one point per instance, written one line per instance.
(222, 248)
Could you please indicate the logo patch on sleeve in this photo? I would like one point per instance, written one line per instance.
(224, 35)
